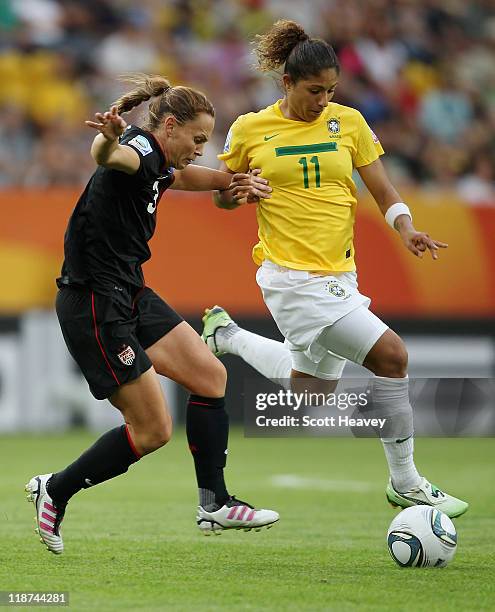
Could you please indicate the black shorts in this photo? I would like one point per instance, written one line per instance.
(108, 339)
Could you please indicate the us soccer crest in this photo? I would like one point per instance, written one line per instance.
(127, 355)
(336, 289)
(333, 125)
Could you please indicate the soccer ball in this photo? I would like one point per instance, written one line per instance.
(421, 536)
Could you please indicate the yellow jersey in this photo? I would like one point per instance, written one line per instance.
(308, 223)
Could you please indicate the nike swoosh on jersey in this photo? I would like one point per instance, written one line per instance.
(270, 137)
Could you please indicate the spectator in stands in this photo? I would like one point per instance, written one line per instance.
(16, 142)
(446, 111)
(478, 187)
(422, 72)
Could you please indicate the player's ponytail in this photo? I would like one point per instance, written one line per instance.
(184, 103)
(287, 44)
(148, 86)
(274, 47)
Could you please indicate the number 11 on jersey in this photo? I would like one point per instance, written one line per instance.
(304, 163)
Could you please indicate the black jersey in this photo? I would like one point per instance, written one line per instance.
(106, 241)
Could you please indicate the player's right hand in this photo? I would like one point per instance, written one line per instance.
(419, 242)
(250, 187)
(110, 124)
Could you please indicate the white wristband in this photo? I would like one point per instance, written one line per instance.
(394, 211)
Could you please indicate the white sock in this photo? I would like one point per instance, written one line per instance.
(271, 358)
(391, 398)
(400, 460)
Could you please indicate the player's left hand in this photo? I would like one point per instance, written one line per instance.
(250, 187)
(419, 242)
(110, 124)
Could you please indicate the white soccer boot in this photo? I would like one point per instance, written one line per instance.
(48, 514)
(235, 514)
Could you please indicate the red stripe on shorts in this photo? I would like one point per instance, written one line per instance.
(98, 339)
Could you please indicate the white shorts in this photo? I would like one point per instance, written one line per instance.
(324, 319)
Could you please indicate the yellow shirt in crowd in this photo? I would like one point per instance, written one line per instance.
(308, 222)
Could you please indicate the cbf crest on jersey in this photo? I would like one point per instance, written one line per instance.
(333, 126)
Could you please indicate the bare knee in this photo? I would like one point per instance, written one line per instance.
(388, 358)
(153, 438)
(212, 380)
(395, 364)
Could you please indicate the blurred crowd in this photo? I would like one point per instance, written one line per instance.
(422, 72)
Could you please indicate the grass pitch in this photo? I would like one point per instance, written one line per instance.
(132, 542)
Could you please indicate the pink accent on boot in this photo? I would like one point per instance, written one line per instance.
(232, 513)
(242, 513)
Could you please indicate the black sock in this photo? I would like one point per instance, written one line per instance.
(207, 426)
(110, 456)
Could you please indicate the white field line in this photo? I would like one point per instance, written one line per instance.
(293, 481)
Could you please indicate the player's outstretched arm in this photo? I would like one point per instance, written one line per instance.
(199, 178)
(106, 150)
(386, 196)
(244, 188)
(234, 188)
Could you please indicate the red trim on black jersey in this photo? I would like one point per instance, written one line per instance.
(98, 339)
